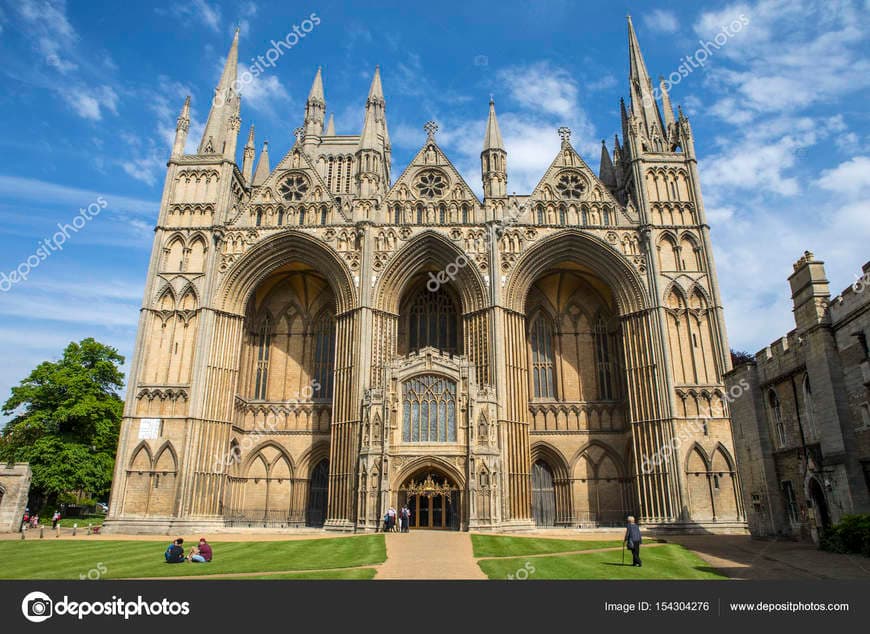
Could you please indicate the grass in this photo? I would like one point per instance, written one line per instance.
(68, 559)
(501, 546)
(668, 561)
(343, 574)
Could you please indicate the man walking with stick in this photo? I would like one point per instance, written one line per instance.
(632, 541)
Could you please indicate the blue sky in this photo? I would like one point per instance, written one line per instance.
(91, 90)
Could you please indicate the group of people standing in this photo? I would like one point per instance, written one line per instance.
(397, 521)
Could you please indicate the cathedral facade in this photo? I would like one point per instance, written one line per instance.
(322, 340)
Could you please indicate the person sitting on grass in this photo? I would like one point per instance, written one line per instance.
(201, 554)
(175, 553)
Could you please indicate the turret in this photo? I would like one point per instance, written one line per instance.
(493, 158)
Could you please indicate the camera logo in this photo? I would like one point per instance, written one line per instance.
(37, 607)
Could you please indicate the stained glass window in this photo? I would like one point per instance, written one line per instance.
(429, 409)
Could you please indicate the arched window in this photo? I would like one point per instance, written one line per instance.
(323, 215)
(603, 361)
(397, 215)
(433, 321)
(606, 215)
(302, 215)
(429, 409)
(776, 417)
(442, 214)
(543, 367)
(259, 217)
(465, 214)
(280, 217)
(562, 215)
(264, 338)
(324, 353)
(584, 215)
(541, 218)
(419, 214)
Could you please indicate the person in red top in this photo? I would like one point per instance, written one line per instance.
(203, 552)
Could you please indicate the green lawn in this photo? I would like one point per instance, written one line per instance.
(66, 559)
(668, 561)
(501, 546)
(347, 573)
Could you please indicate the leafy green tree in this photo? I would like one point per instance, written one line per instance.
(67, 415)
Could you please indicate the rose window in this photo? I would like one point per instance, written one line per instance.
(571, 186)
(431, 185)
(294, 187)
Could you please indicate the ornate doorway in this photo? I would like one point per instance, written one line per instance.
(433, 501)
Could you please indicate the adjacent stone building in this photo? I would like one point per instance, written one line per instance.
(321, 340)
(14, 489)
(802, 429)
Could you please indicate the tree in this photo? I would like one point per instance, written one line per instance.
(67, 415)
(739, 357)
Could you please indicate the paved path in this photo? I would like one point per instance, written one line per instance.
(741, 557)
(429, 555)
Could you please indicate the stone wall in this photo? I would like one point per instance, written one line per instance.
(14, 487)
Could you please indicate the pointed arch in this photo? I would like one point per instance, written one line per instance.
(278, 250)
(429, 250)
(697, 459)
(141, 458)
(575, 246)
(159, 464)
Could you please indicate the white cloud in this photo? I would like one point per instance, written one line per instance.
(90, 103)
(15, 188)
(661, 21)
(851, 178)
(542, 87)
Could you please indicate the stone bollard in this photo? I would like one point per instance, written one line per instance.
(75, 528)
(89, 530)
(57, 530)
(23, 532)
(41, 532)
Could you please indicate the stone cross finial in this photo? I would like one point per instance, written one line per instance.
(299, 133)
(431, 128)
(564, 134)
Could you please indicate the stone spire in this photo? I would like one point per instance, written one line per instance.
(373, 154)
(263, 169)
(181, 128)
(605, 171)
(315, 112)
(492, 138)
(643, 102)
(330, 127)
(666, 104)
(248, 158)
(224, 107)
(493, 158)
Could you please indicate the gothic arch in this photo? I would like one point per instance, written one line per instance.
(697, 450)
(164, 448)
(141, 447)
(609, 452)
(312, 456)
(273, 252)
(435, 462)
(576, 246)
(429, 249)
(257, 453)
(541, 450)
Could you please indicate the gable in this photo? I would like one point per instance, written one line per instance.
(294, 181)
(430, 178)
(570, 179)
